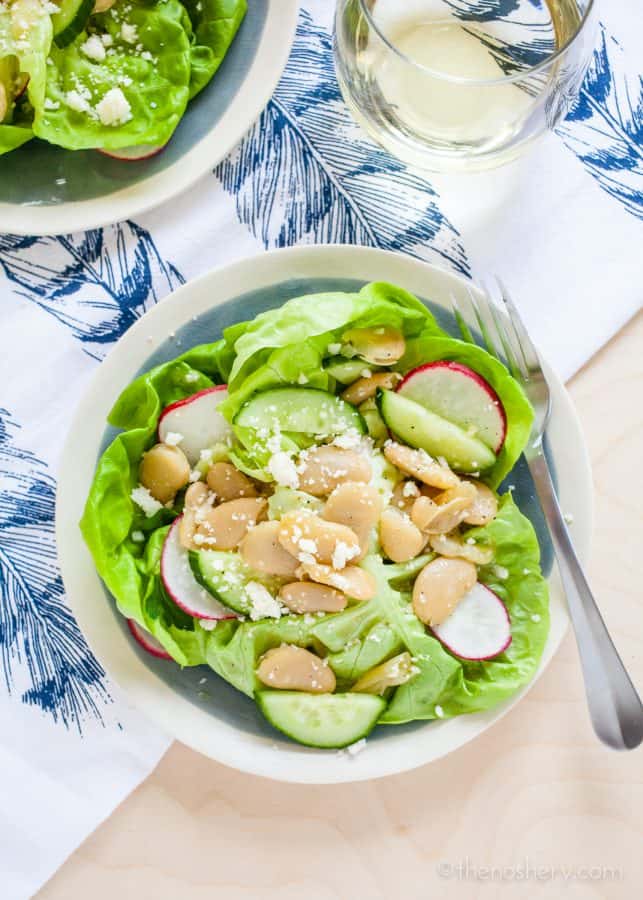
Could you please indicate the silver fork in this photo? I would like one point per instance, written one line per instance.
(614, 705)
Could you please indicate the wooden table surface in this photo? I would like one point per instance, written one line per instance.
(536, 797)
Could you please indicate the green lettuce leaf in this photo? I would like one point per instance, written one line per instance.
(150, 65)
(284, 345)
(214, 25)
(447, 686)
(430, 347)
(130, 569)
(25, 39)
(13, 136)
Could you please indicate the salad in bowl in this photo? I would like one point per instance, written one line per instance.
(110, 75)
(310, 506)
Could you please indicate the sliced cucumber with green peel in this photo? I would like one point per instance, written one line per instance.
(305, 410)
(286, 500)
(224, 575)
(419, 427)
(327, 721)
(70, 20)
(374, 422)
(346, 371)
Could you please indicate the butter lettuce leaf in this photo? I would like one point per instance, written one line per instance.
(214, 25)
(25, 39)
(147, 58)
(447, 686)
(131, 569)
(283, 346)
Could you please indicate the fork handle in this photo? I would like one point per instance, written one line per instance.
(614, 705)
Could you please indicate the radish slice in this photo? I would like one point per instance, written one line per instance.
(197, 421)
(181, 584)
(134, 154)
(458, 394)
(479, 627)
(147, 641)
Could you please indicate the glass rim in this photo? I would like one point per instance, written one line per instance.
(458, 79)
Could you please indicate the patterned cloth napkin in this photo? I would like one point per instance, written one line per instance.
(563, 227)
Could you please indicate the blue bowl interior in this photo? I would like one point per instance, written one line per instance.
(65, 176)
(200, 685)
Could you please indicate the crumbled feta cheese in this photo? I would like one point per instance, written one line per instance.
(208, 624)
(77, 102)
(302, 378)
(191, 377)
(93, 48)
(51, 104)
(173, 438)
(129, 33)
(334, 349)
(263, 603)
(357, 747)
(569, 518)
(410, 489)
(500, 572)
(365, 373)
(308, 545)
(107, 40)
(143, 499)
(283, 470)
(114, 108)
(147, 56)
(350, 440)
(195, 475)
(342, 554)
(138, 537)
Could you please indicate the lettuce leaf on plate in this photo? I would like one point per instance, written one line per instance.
(131, 569)
(25, 40)
(214, 26)
(447, 686)
(147, 57)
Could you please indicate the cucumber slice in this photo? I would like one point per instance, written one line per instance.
(286, 499)
(374, 422)
(305, 410)
(321, 720)
(346, 371)
(224, 575)
(421, 428)
(70, 20)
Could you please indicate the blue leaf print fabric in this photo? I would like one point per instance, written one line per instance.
(306, 173)
(97, 283)
(43, 655)
(605, 126)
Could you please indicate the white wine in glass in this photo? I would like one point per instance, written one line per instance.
(461, 84)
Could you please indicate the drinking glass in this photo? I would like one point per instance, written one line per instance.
(457, 85)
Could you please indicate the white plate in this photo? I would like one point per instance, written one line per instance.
(224, 726)
(233, 100)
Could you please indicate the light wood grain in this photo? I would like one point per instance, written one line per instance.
(537, 790)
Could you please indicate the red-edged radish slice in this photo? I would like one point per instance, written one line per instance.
(458, 394)
(147, 641)
(134, 154)
(478, 628)
(197, 420)
(181, 584)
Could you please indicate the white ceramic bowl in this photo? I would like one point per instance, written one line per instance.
(76, 190)
(224, 724)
